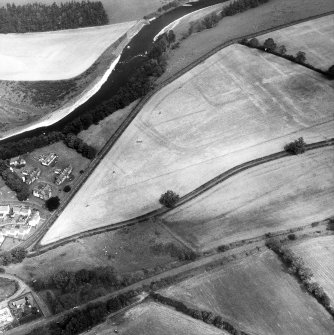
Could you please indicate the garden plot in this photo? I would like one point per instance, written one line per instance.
(238, 105)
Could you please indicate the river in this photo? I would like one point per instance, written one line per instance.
(131, 59)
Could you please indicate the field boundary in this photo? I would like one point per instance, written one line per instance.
(38, 249)
(31, 242)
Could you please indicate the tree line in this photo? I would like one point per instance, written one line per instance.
(41, 17)
(13, 256)
(297, 267)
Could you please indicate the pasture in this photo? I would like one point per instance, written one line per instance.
(314, 37)
(152, 319)
(280, 195)
(55, 55)
(238, 105)
(7, 288)
(318, 254)
(257, 295)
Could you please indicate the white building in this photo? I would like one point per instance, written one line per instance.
(4, 210)
(35, 219)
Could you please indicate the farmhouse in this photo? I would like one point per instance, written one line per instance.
(48, 159)
(63, 175)
(29, 175)
(17, 162)
(42, 191)
(4, 210)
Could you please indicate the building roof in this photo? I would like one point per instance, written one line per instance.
(4, 209)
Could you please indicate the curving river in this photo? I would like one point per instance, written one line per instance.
(131, 59)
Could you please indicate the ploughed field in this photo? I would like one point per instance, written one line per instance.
(152, 319)
(282, 194)
(238, 105)
(258, 295)
(55, 55)
(314, 37)
(318, 255)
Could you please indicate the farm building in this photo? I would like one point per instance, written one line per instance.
(34, 220)
(42, 191)
(17, 161)
(48, 159)
(63, 175)
(29, 175)
(5, 317)
(4, 210)
(21, 210)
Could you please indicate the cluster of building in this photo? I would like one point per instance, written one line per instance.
(6, 318)
(30, 174)
(17, 221)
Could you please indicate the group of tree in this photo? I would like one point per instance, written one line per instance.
(296, 266)
(76, 143)
(14, 182)
(175, 251)
(13, 256)
(42, 17)
(240, 6)
(169, 199)
(205, 316)
(296, 147)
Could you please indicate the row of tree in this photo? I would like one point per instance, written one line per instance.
(297, 267)
(14, 182)
(42, 17)
(205, 316)
(173, 250)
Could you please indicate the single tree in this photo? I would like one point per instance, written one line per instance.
(301, 57)
(52, 203)
(254, 43)
(270, 45)
(282, 49)
(296, 147)
(67, 188)
(169, 199)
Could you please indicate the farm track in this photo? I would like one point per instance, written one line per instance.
(186, 198)
(34, 240)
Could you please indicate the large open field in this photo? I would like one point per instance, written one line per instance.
(152, 319)
(257, 295)
(55, 55)
(269, 15)
(318, 254)
(282, 194)
(117, 10)
(238, 105)
(128, 251)
(314, 37)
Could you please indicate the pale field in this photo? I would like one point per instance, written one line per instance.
(278, 195)
(98, 135)
(128, 251)
(269, 15)
(55, 55)
(152, 319)
(258, 295)
(315, 38)
(318, 255)
(117, 10)
(238, 105)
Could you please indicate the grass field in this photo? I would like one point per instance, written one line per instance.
(152, 319)
(117, 10)
(7, 288)
(318, 254)
(314, 37)
(259, 296)
(269, 15)
(190, 131)
(127, 250)
(55, 55)
(280, 195)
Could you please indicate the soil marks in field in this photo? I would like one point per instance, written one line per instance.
(282, 194)
(318, 255)
(258, 295)
(153, 319)
(234, 107)
(314, 37)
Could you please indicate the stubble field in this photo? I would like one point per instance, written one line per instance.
(318, 255)
(282, 194)
(314, 37)
(258, 295)
(238, 105)
(152, 319)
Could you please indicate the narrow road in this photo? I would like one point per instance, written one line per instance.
(186, 198)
